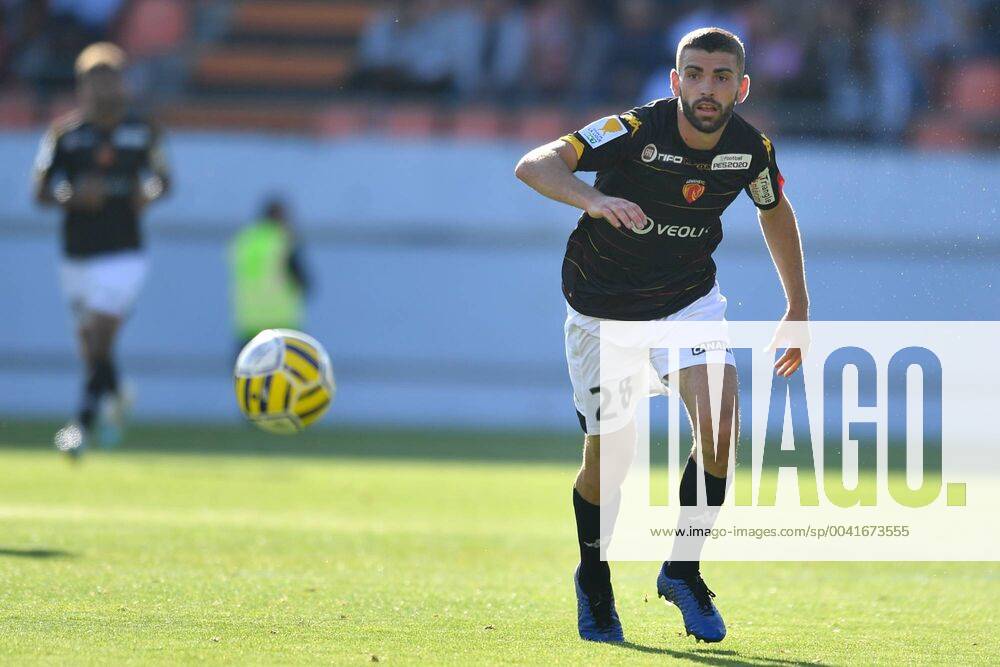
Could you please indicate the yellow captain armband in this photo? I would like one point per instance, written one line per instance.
(575, 143)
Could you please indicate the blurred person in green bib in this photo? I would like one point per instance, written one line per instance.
(269, 284)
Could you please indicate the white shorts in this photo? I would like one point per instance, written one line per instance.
(107, 284)
(583, 355)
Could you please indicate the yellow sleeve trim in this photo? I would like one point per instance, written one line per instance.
(634, 122)
(767, 144)
(575, 143)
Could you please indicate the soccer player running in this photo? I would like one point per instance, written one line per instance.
(642, 251)
(102, 165)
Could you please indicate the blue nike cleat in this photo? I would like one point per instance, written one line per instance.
(596, 616)
(694, 599)
(113, 414)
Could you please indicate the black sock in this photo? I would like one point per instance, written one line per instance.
(715, 495)
(594, 573)
(715, 487)
(101, 379)
(110, 372)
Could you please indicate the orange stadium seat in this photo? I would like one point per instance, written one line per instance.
(976, 88)
(16, 110)
(237, 117)
(153, 27)
(941, 131)
(411, 121)
(272, 68)
(477, 123)
(302, 18)
(340, 120)
(541, 125)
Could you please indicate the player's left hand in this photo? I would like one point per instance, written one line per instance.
(793, 335)
(145, 192)
(139, 201)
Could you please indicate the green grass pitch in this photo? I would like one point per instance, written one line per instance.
(224, 545)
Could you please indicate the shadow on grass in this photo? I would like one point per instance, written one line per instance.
(715, 656)
(35, 553)
(354, 442)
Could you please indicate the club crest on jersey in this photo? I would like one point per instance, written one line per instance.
(693, 189)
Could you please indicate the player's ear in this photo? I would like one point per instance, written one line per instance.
(741, 97)
(675, 83)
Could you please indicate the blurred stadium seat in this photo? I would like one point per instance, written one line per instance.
(941, 131)
(478, 123)
(16, 109)
(411, 121)
(300, 21)
(268, 69)
(242, 63)
(543, 124)
(153, 27)
(341, 119)
(283, 47)
(976, 88)
(229, 117)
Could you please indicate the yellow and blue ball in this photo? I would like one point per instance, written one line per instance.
(284, 380)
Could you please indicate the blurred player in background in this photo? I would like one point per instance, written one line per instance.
(642, 251)
(268, 277)
(102, 165)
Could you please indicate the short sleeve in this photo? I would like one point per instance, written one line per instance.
(157, 163)
(49, 158)
(607, 141)
(765, 185)
(154, 157)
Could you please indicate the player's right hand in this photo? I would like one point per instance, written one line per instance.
(88, 192)
(618, 212)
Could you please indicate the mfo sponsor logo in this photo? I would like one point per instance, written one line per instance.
(679, 231)
(731, 161)
(651, 153)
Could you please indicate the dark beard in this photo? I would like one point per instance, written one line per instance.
(708, 127)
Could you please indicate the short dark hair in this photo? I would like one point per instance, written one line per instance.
(274, 208)
(712, 40)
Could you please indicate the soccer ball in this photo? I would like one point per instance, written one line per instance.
(284, 380)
